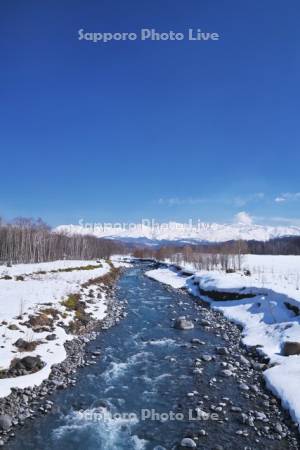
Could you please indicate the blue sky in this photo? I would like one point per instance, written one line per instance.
(140, 129)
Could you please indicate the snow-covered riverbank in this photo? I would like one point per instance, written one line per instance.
(266, 304)
(39, 304)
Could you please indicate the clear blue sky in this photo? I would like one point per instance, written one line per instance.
(169, 130)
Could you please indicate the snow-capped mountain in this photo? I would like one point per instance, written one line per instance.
(174, 231)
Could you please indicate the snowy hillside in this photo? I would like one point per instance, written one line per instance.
(174, 231)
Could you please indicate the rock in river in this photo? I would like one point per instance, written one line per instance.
(188, 443)
(182, 323)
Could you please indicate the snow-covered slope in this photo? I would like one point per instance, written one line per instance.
(173, 231)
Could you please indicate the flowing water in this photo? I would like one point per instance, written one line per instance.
(145, 365)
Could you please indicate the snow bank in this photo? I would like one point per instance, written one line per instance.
(19, 296)
(168, 276)
(23, 269)
(269, 317)
(28, 297)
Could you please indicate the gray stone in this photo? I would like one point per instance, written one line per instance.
(226, 373)
(25, 398)
(21, 343)
(13, 327)
(236, 409)
(181, 323)
(188, 443)
(5, 422)
(261, 416)
(222, 350)
(278, 428)
(258, 366)
(51, 337)
(244, 360)
(205, 323)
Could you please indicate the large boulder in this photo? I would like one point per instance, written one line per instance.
(291, 348)
(5, 422)
(182, 323)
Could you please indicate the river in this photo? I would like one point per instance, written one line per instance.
(141, 391)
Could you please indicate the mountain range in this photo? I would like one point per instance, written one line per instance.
(175, 231)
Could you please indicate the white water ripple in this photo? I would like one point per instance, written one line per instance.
(110, 430)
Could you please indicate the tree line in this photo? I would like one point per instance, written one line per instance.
(32, 241)
(222, 255)
(201, 257)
